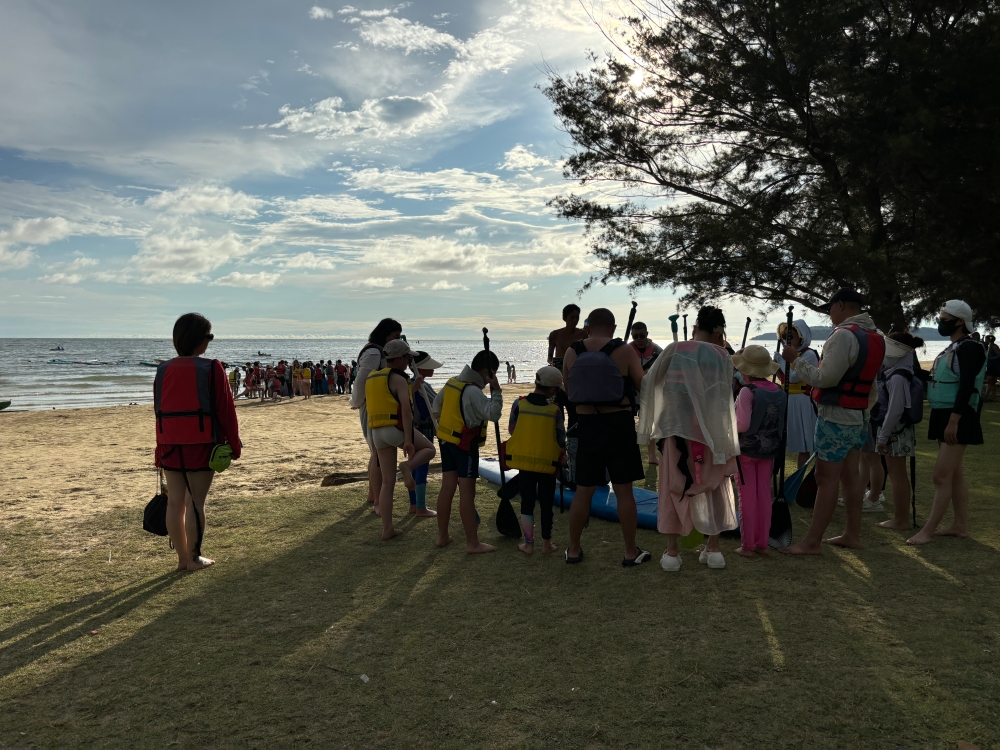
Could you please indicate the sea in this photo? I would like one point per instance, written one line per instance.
(36, 374)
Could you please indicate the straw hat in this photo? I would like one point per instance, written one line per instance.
(755, 361)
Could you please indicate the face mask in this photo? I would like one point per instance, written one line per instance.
(947, 327)
(890, 361)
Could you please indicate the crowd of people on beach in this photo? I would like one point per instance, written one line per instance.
(715, 422)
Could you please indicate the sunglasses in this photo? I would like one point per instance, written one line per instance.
(209, 337)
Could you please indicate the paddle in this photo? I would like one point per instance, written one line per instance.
(507, 521)
(631, 319)
(746, 330)
(913, 488)
(794, 482)
(673, 326)
(685, 327)
(781, 520)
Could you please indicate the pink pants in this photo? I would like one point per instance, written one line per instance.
(755, 501)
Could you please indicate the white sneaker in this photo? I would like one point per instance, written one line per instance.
(840, 502)
(869, 507)
(716, 561)
(671, 564)
(703, 557)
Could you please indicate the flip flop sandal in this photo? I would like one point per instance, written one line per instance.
(573, 560)
(641, 556)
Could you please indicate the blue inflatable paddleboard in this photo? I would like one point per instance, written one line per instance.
(604, 504)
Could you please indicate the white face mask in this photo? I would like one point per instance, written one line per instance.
(890, 361)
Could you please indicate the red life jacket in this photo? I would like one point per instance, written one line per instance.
(184, 401)
(854, 388)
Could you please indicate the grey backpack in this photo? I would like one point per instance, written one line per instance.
(594, 378)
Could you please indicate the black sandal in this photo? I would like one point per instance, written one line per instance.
(641, 556)
(573, 560)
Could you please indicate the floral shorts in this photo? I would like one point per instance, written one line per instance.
(834, 441)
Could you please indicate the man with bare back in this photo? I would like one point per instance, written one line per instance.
(561, 338)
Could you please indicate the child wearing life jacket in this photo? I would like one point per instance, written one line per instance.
(536, 448)
(423, 422)
(760, 422)
(463, 413)
(390, 426)
(194, 413)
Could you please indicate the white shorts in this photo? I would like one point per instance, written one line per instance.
(386, 437)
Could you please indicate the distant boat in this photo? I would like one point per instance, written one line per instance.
(149, 364)
(57, 349)
(264, 354)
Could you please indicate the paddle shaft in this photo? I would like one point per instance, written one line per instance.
(746, 331)
(486, 346)
(631, 319)
(913, 488)
(784, 433)
(673, 326)
(685, 327)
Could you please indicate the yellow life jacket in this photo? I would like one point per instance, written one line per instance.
(533, 446)
(383, 407)
(452, 428)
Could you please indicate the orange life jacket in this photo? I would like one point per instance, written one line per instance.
(184, 401)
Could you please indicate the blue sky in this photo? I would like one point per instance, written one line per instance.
(289, 168)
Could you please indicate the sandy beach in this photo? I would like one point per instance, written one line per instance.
(60, 467)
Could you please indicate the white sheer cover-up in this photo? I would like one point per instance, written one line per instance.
(687, 393)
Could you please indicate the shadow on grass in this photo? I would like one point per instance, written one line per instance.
(867, 649)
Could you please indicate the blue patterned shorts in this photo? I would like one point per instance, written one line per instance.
(834, 441)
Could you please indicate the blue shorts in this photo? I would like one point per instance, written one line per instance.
(834, 441)
(466, 463)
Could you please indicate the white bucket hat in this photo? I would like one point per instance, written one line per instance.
(896, 348)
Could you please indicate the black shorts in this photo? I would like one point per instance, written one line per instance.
(608, 447)
(466, 463)
(970, 431)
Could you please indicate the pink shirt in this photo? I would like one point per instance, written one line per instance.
(744, 402)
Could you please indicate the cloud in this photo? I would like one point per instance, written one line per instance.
(517, 286)
(334, 206)
(11, 259)
(310, 260)
(205, 199)
(347, 9)
(319, 13)
(379, 282)
(36, 231)
(185, 256)
(491, 49)
(386, 117)
(400, 33)
(444, 285)
(466, 232)
(262, 280)
(520, 158)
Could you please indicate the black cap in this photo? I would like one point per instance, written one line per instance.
(844, 294)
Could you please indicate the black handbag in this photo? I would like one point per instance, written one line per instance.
(154, 517)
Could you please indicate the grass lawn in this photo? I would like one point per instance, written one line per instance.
(888, 647)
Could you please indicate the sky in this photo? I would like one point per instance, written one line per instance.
(293, 169)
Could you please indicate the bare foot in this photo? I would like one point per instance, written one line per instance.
(404, 469)
(442, 542)
(744, 552)
(921, 537)
(197, 564)
(426, 513)
(480, 549)
(548, 548)
(370, 501)
(528, 549)
(952, 531)
(895, 525)
(393, 533)
(844, 542)
(763, 551)
(802, 549)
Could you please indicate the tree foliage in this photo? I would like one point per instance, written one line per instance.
(779, 150)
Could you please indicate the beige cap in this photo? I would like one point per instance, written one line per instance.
(959, 309)
(755, 361)
(549, 377)
(397, 348)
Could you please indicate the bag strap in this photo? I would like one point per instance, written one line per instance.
(197, 517)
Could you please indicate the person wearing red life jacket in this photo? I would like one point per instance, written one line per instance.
(844, 390)
(194, 412)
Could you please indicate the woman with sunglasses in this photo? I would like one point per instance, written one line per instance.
(953, 394)
(194, 412)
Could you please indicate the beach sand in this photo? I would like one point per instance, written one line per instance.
(58, 468)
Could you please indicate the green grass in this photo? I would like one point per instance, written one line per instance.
(888, 647)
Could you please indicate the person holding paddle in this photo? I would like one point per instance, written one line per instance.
(844, 391)
(462, 412)
(603, 377)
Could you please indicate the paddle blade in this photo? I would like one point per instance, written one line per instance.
(781, 525)
(508, 524)
(794, 482)
(511, 489)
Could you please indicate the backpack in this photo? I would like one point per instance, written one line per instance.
(594, 378)
(914, 413)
